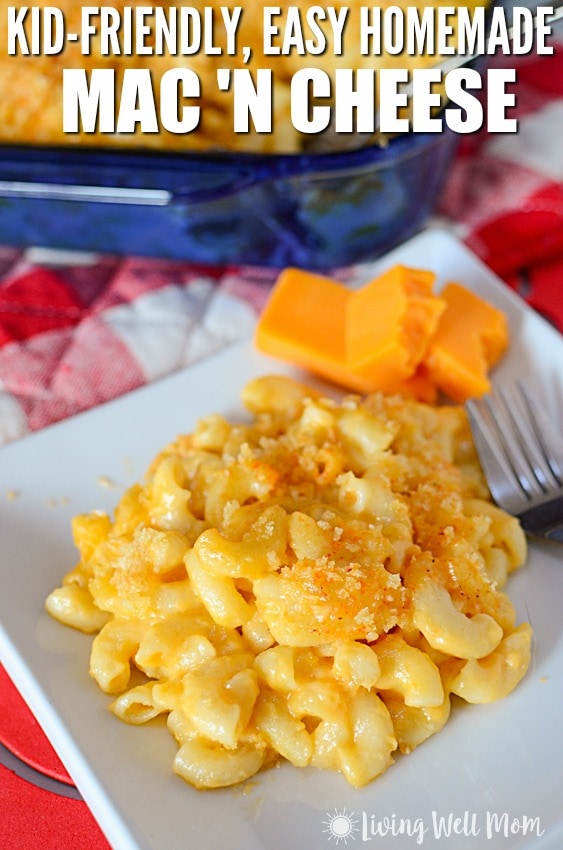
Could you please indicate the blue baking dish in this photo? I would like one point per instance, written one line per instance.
(316, 211)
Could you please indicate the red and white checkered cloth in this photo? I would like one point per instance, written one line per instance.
(504, 196)
(77, 330)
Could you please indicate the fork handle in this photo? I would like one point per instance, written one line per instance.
(545, 520)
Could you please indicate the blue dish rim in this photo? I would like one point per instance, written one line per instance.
(236, 172)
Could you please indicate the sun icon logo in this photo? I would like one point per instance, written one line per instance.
(341, 825)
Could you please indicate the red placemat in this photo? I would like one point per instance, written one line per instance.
(22, 735)
(36, 810)
(35, 819)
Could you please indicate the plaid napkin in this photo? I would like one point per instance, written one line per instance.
(504, 196)
(80, 329)
(77, 330)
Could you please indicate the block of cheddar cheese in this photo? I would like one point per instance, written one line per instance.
(471, 337)
(389, 324)
(303, 321)
(372, 338)
(393, 334)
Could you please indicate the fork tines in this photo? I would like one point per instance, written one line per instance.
(519, 449)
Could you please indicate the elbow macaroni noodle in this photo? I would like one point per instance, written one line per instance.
(314, 584)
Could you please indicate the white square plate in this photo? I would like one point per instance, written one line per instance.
(497, 768)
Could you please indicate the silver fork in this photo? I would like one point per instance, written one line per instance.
(522, 458)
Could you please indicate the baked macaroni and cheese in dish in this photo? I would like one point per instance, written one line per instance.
(318, 583)
(31, 86)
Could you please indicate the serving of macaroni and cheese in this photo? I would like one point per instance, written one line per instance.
(317, 583)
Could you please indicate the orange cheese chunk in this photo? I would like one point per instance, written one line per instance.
(368, 339)
(303, 322)
(389, 323)
(419, 387)
(392, 335)
(471, 337)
